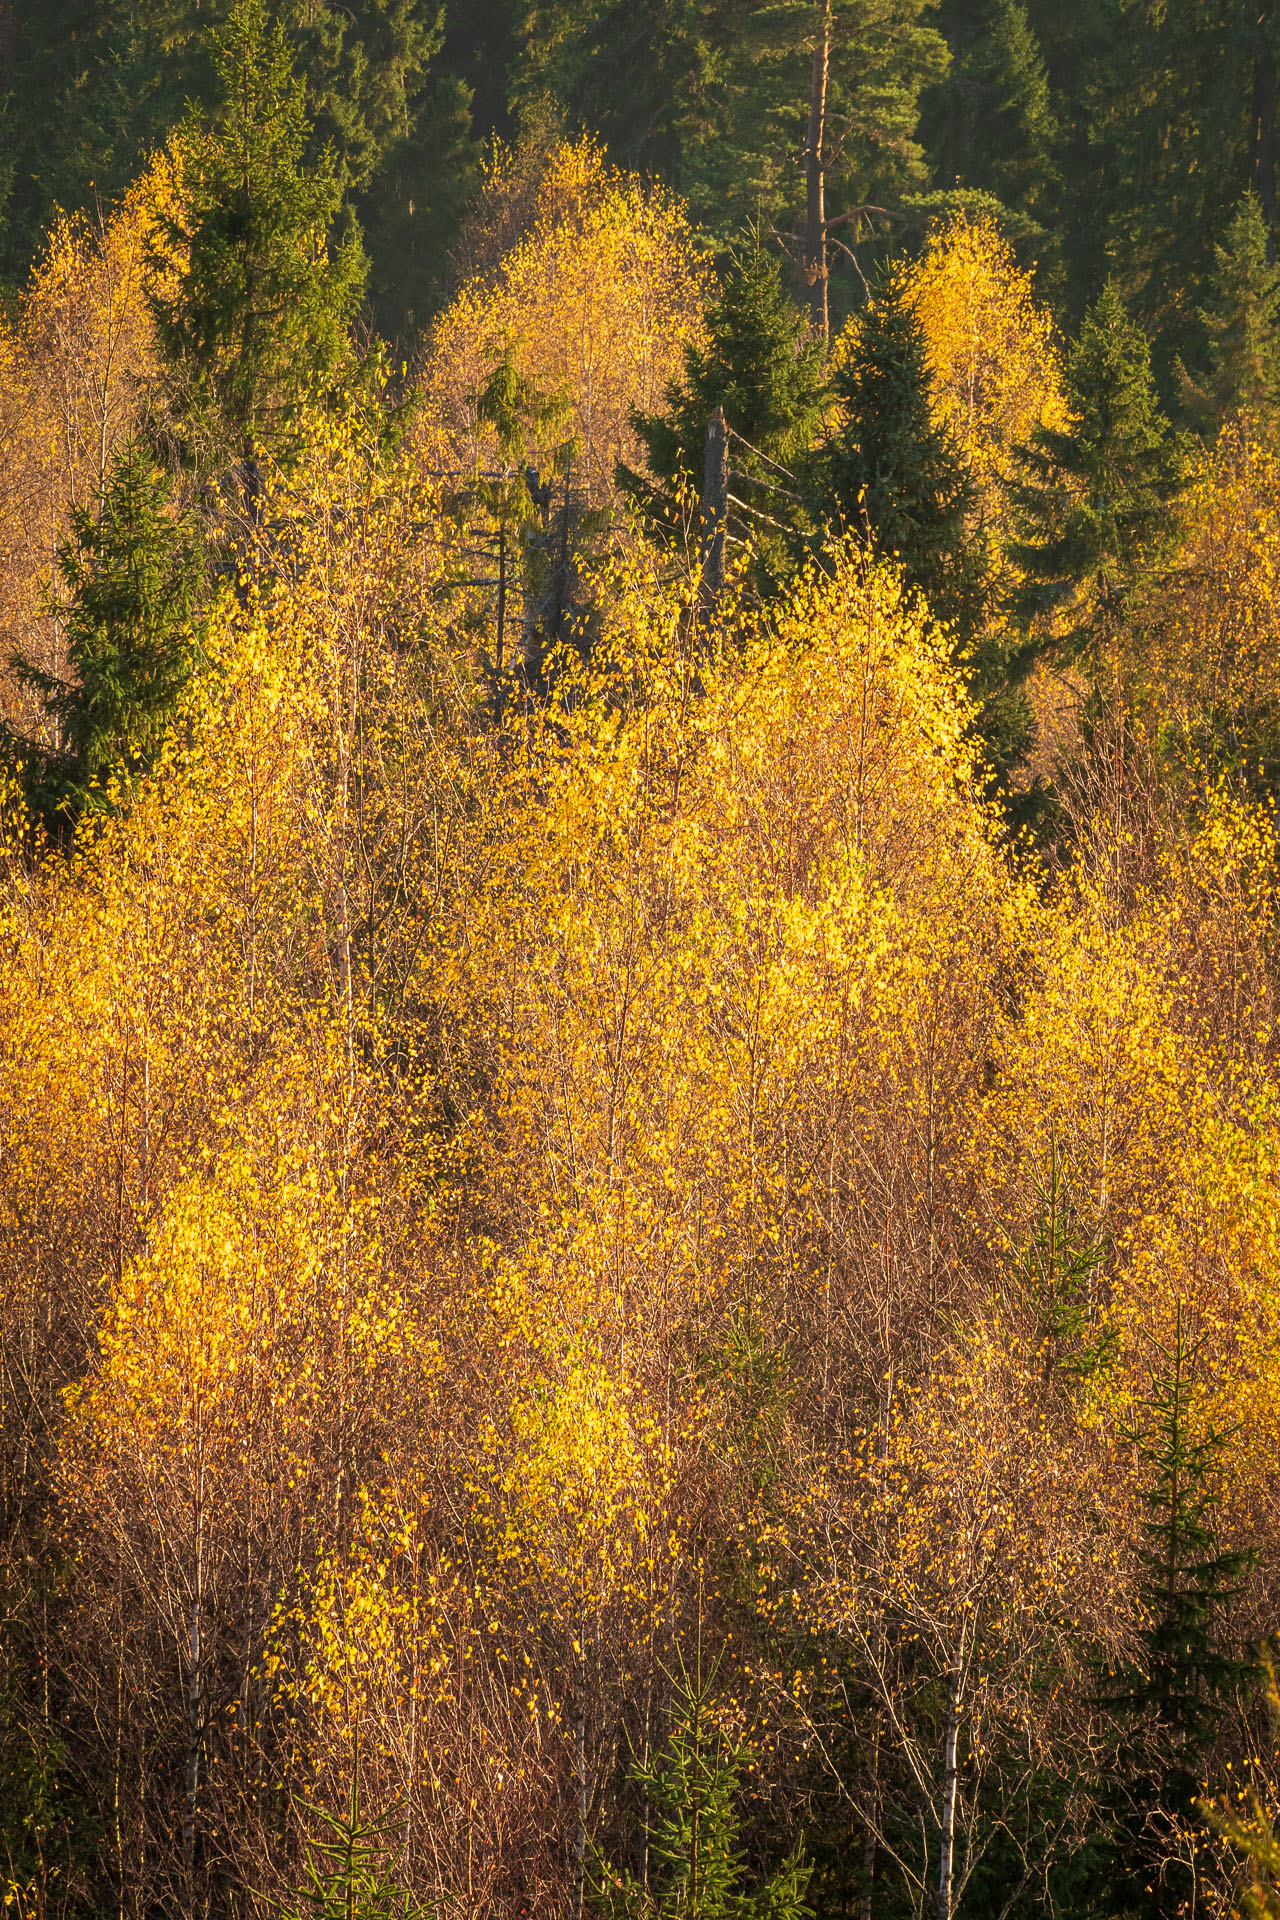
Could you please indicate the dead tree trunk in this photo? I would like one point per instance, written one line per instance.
(715, 509)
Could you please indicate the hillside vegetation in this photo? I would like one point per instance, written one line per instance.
(639, 1060)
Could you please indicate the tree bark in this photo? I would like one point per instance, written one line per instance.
(580, 1769)
(950, 1785)
(815, 229)
(715, 509)
(195, 1689)
(1264, 123)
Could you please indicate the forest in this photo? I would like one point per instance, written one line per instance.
(639, 945)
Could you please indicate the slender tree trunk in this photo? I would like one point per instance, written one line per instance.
(815, 227)
(1264, 123)
(580, 1768)
(562, 570)
(502, 593)
(715, 509)
(195, 1689)
(119, 1756)
(959, 123)
(951, 1785)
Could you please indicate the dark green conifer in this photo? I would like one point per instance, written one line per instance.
(1173, 1698)
(698, 1861)
(990, 124)
(712, 94)
(130, 581)
(1093, 499)
(413, 208)
(1014, 137)
(348, 1867)
(896, 476)
(763, 366)
(365, 68)
(401, 138)
(258, 319)
(760, 364)
(1242, 323)
(892, 472)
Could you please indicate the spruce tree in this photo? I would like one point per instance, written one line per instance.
(413, 208)
(1242, 326)
(1172, 1697)
(365, 68)
(760, 364)
(1014, 139)
(1186, 1578)
(895, 475)
(763, 367)
(694, 1840)
(130, 581)
(1093, 498)
(258, 317)
(347, 1876)
(1176, 112)
(990, 125)
(401, 137)
(893, 472)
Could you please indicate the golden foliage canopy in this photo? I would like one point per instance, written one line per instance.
(992, 351)
(595, 303)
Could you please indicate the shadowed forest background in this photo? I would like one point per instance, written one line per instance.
(639, 1080)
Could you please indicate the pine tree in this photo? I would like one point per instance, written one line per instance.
(130, 583)
(89, 89)
(258, 319)
(714, 94)
(692, 1789)
(1242, 325)
(1094, 498)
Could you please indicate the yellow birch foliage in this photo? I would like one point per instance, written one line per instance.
(992, 354)
(726, 950)
(193, 1110)
(1249, 1816)
(461, 1176)
(1141, 1069)
(75, 360)
(575, 1495)
(595, 304)
(1201, 642)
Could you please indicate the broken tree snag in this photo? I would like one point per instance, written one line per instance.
(715, 507)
